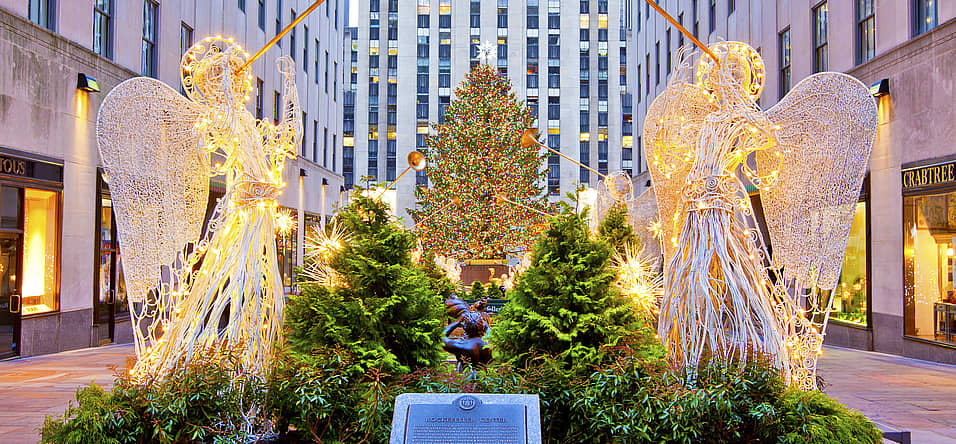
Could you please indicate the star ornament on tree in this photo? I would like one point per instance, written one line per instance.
(487, 53)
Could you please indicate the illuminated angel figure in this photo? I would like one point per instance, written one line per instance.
(159, 150)
(705, 139)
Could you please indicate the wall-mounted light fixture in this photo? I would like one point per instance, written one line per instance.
(880, 88)
(87, 83)
(303, 173)
(325, 181)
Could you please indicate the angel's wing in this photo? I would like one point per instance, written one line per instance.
(158, 183)
(671, 127)
(825, 128)
(643, 214)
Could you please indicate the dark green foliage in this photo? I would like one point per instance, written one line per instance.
(564, 305)
(616, 231)
(477, 291)
(815, 418)
(385, 313)
(495, 291)
(437, 279)
(201, 402)
(319, 396)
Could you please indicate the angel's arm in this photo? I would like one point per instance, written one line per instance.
(288, 131)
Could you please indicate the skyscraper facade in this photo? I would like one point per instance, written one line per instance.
(558, 54)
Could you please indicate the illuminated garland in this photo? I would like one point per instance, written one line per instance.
(476, 155)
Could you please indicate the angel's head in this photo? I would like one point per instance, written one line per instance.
(210, 73)
(740, 71)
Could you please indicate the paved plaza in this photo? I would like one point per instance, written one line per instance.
(897, 392)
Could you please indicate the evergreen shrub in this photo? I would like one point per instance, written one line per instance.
(385, 313)
(564, 305)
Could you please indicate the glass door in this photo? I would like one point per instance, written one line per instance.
(11, 302)
(110, 300)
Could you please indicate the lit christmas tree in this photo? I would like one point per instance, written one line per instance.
(474, 158)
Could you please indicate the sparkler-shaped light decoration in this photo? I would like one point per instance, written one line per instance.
(638, 279)
(319, 248)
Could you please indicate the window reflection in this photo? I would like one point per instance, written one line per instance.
(39, 251)
(849, 301)
(929, 224)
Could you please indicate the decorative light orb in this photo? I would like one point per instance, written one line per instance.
(619, 186)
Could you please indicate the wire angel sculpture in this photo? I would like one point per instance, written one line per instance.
(159, 150)
(705, 140)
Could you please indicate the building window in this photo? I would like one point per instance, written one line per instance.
(316, 67)
(713, 16)
(242, 5)
(325, 146)
(43, 13)
(667, 42)
(185, 42)
(820, 38)
(731, 7)
(262, 15)
(305, 130)
(657, 58)
(185, 38)
(373, 158)
(150, 17)
(279, 21)
(784, 38)
(865, 30)
(929, 304)
(326, 72)
(275, 110)
(305, 49)
(259, 98)
(696, 23)
(850, 300)
(292, 37)
(925, 14)
(40, 249)
(103, 28)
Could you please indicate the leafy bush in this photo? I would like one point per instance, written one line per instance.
(204, 401)
(564, 305)
(477, 290)
(384, 312)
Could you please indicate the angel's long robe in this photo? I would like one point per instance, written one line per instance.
(717, 299)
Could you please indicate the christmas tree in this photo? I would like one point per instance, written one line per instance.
(476, 156)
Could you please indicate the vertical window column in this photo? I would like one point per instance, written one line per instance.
(348, 114)
(784, 40)
(150, 17)
(103, 28)
(820, 52)
(865, 30)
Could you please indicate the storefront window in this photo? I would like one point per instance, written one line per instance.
(849, 301)
(40, 251)
(929, 233)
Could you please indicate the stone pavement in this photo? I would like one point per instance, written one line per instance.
(898, 392)
(32, 388)
(902, 393)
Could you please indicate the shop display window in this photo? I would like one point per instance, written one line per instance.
(40, 251)
(850, 299)
(929, 234)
